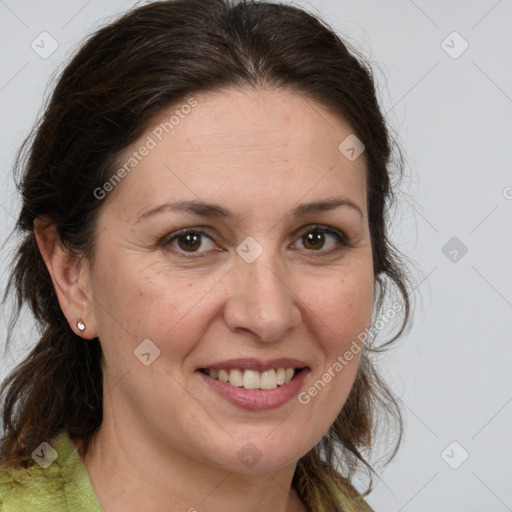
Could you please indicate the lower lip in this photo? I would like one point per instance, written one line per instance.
(257, 399)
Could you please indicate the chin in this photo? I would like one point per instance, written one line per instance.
(260, 454)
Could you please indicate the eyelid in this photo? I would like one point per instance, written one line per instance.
(200, 230)
(327, 229)
(343, 240)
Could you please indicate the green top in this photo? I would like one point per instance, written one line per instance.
(63, 485)
(60, 483)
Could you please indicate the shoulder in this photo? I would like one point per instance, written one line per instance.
(349, 499)
(48, 485)
(29, 489)
(353, 504)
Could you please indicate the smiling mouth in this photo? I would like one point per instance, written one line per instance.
(253, 379)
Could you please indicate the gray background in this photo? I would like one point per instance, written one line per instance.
(452, 113)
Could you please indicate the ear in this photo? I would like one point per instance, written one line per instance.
(70, 276)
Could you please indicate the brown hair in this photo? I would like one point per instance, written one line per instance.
(122, 77)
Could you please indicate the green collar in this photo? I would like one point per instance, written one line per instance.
(61, 487)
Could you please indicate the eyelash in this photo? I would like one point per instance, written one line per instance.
(343, 240)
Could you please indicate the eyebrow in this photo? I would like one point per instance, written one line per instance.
(215, 211)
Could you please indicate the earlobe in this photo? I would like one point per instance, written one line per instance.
(70, 279)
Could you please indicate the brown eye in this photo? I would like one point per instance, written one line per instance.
(314, 241)
(190, 242)
(323, 239)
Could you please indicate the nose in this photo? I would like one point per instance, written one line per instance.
(261, 301)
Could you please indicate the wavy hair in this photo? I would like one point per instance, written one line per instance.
(122, 77)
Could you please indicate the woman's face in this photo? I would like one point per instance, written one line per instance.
(257, 177)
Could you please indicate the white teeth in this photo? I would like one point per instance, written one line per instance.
(268, 380)
(236, 378)
(252, 379)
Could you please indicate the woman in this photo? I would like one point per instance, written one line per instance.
(205, 250)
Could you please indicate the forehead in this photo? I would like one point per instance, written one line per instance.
(267, 121)
(238, 141)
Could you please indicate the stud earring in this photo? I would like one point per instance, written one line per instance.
(81, 326)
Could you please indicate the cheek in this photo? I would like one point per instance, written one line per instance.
(344, 305)
(343, 312)
(136, 301)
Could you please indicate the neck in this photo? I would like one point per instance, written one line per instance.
(132, 471)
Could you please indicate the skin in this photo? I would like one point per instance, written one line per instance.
(168, 442)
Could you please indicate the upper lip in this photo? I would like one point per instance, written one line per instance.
(260, 365)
